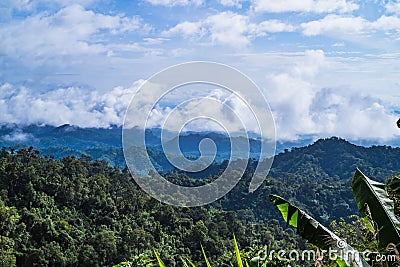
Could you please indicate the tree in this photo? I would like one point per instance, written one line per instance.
(374, 205)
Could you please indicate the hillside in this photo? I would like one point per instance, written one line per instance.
(337, 158)
(74, 212)
(70, 210)
(327, 158)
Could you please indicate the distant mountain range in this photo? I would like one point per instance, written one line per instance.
(332, 157)
(80, 140)
(74, 137)
(68, 136)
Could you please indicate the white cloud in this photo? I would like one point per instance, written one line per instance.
(72, 105)
(17, 136)
(228, 28)
(73, 30)
(393, 7)
(7, 7)
(21, 5)
(197, 109)
(231, 3)
(63, 3)
(187, 29)
(352, 115)
(154, 41)
(302, 107)
(299, 106)
(356, 29)
(271, 26)
(291, 94)
(387, 24)
(315, 6)
(175, 2)
(334, 24)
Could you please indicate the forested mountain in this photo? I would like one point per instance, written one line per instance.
(337, 158)
(72, 212)
(97, 141)
(76, 211)
(332, 157)
(65, 210)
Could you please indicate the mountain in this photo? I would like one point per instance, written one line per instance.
(337, 158)
(63, 210)
(96, 142)
(189, 145)
(70, 136)
(78, 138)
(327, 158)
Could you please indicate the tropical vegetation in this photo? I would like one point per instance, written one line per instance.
(69, 211)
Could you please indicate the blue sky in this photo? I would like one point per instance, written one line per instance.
(326, 67)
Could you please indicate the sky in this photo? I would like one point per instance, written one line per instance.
(326, 67)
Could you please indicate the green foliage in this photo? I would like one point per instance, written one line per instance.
(75, 211)
(160, 262)
(9, 219)
(186, 262)
(237, 252)
(374, 202)
(354, 231)
(317, 234)
(205, 257)
(379, 225)
(254, 262)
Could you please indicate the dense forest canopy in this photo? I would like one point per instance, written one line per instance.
(76, 210)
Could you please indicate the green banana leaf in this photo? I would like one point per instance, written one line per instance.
(159, 260)
(317, 234)
(372, 194)
(237, 252)
(205, 257)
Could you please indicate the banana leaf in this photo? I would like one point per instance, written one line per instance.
(394, 185)
(205, 257)
(317, 234)
(159, 260)
(373, 200)
(237, 252)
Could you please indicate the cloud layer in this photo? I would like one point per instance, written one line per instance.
(302, 108)
(315, 6)
(72, 30)
(328, 67)
(228, 28)
(72, 105)
(299, 106)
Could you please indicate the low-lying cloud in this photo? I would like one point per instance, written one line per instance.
(297, 108)
(17, 136)
(73, 105)
(300, 106)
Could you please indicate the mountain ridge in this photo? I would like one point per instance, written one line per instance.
(332, 157)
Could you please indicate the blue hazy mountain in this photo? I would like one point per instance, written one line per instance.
(331, 157)
(101, 143)
(82, 139)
